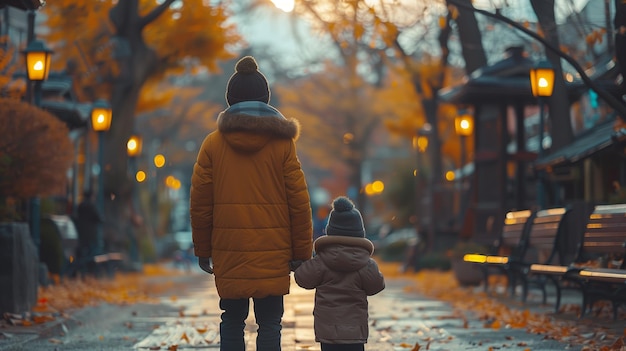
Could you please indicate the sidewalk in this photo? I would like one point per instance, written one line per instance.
(402, 317)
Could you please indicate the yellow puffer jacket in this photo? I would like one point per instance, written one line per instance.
(249, 203)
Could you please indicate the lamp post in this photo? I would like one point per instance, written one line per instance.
(133, 150)
(464, 127)
(542, 84)
(420, 144)
(159, 162)
(37, 56)
(134, 146)
(423, 135)
(100, 122)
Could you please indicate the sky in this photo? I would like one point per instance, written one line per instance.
(272, 27)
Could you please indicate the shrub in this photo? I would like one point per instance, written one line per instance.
(35, 153)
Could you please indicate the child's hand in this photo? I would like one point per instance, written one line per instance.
(293, 265)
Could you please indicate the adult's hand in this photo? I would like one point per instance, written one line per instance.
(205, 264)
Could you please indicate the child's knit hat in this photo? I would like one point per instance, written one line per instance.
(345, 219)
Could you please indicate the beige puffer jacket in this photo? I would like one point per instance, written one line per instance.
(249, 203)
(344, 275)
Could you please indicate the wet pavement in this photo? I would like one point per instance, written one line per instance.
(400, 319)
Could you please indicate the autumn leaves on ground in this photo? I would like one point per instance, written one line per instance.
(495, 314)
(131, 288)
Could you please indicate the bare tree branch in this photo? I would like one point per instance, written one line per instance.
(606, 96)
(155, 13)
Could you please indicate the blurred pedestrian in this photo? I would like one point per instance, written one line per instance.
(87, 222)
(250, 209)
(344, 275)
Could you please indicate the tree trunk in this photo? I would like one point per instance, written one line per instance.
(471, 39)
(559, 102)
(136, 62)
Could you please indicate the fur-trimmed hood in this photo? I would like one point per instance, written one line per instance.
(344, 253)
(249, 125)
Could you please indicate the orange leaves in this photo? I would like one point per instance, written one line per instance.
(454, 11)
(124, 289)
(503, 315)
(595, 37)
(193, 30)
(35, 151)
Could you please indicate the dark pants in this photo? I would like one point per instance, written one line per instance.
(343, 347)
(268, 313)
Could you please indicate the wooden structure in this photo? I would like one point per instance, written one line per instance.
(496, 93)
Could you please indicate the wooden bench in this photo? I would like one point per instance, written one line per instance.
(107, 264)
(542, 250)
(600, 267)
(507, 250)
(603, 240)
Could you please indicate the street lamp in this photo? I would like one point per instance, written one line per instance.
(541, 84)
(133, 150)
(159, 162)
(423, 135)
(101, 114)
(37, 56)
(134, 146)
(464, 127)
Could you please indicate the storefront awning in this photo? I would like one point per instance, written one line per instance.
(587, 144)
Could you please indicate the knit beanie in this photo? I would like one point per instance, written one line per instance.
(247, 83)
(344, 219)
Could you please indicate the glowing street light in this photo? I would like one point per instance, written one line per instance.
(37, 56)
(541, 84)
(542, 79)
(134, 146)
(159, 160)
(101, 114)
(140, 176)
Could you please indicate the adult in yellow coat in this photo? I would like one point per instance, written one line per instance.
(250, 209)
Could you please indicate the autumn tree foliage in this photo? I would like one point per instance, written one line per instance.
(35, 151)
(114, 48)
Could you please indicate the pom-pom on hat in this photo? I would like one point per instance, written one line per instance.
(345, 219)
(247, 83)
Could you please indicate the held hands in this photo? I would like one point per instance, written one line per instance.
(293, 265)
(205, 264)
